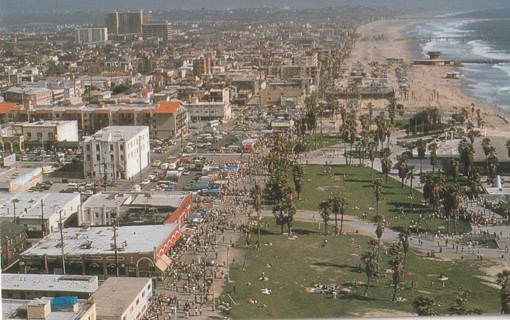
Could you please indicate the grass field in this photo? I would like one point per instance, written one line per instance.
(355, 184)
(295, 265)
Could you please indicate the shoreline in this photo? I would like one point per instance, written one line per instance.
(424, 80)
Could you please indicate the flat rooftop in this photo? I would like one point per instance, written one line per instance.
(49, 282)
(116, 294)
(98, 240)
(173, 200)
(108, 200)
(28, 204)
(116, 133)
(10, 306)
(7, 175)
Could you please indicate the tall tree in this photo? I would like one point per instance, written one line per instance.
(379, 231)
(503, 279)
(370, 260)
(338, 206)
(298, 174)
(372, 154)
(396, 267)
(386, 163)
(466, 152)
(377, 186)
(402, 167)
(450, 195)
(325, 211)
(421, 147)
(433, 155)
(404, 243)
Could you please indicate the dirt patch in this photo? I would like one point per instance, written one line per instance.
(386, 313)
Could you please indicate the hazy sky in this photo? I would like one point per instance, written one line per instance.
(35, 6)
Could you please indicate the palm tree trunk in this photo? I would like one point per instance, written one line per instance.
(341, 223)
(365, 293)
(395, 287)
(336, 224)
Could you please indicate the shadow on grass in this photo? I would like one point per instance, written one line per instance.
(360, 180)
(334, 265)
(303, 232)
(357, 297)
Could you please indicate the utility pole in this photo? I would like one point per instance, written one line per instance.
(115, 227)
(62, 242)
(105, 174)
(14, 204)
(43, 225)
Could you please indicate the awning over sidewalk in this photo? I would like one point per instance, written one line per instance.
(163, 263)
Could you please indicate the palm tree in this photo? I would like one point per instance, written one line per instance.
(324, 209)
(372, 153)
(377, 186)
(433, 155)
(492, 165)
(466, 152)
(410, 177)
(404, 242)
(487, 149)
(370, 260)
(338, 206)
(386, 163)
(454, 167)
(503, 279)
(403, 169)
(298, 174)
(421, 148)
(424, 306)
(257, 197)
(450, 195)
(396, 267)
(379, 231)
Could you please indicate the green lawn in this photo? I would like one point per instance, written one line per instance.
(355, 184)
(297, 264)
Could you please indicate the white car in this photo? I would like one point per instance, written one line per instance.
(145, 182)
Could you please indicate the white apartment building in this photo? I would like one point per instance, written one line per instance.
(199, 111)
(116, 152)
(91, 35)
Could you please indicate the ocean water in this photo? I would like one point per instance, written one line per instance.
(487, 82)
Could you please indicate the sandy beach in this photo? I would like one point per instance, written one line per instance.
(386, 39)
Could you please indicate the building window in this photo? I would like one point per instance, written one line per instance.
(29, 135)
(50, 135)
(39, 135)
(88, 147)
(98, 157)
(97, 147)
(111, 147)
(88, 157)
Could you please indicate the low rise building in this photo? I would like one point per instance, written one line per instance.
(31, 286)
(141, 251)
(48, 134)
(19, 179)
(49, 308)
(123, 299)
(39, 211)
(14, 241)
(143, 208)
